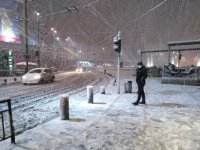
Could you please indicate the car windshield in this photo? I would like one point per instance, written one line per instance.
(36, 71)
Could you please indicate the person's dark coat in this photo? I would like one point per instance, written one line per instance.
(141, 75)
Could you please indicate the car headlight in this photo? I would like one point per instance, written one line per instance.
(37, 77)
(23, 77)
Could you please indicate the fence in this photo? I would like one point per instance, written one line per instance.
(2, 112)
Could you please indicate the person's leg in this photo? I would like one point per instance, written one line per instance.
(139, 95)
(143, 94)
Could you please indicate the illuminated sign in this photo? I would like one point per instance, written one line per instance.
(8, 31)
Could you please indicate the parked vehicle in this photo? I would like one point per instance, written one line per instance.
(38, 75)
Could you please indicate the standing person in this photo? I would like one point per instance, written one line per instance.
(141, 75)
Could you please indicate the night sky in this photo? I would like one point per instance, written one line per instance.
(145, 24)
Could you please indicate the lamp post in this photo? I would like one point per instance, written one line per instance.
(38, 39)
(54, 49)
(25, 30)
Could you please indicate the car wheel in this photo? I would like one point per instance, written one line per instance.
(52, 79)
(41, 81)
(24, 83)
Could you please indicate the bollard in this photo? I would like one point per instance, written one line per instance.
(90, 94)
(102, 90)
(64, 107)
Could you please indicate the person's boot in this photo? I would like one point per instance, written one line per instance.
(135, 103)
(142, 102)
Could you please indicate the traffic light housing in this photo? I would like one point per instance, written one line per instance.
(117, 43)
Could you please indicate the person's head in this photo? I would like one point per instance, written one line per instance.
(139, 65)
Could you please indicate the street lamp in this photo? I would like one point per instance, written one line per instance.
(38, 39)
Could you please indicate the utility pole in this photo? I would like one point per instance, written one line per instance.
(25, 26)
(54, 47)
(38, 40)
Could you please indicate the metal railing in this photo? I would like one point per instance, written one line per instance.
(9, 110)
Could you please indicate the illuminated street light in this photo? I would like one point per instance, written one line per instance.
(57, 38)
(52, 29)
(103, 48)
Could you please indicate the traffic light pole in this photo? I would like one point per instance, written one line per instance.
(117, 48)
(118, 68)
(118, 76)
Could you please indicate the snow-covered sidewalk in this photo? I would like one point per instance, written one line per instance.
(170, 120)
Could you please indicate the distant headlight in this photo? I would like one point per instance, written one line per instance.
(24, 77)
(77, 70)
(81, 70)
(37, 77)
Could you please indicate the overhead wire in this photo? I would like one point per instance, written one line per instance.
(146, 13)
(98, 14)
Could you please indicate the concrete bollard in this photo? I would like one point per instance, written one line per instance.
(64, 107)
(90, 94)
(102, 90)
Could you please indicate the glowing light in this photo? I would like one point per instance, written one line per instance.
(198, 63)
(150, 61)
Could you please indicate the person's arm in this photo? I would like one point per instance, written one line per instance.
(144, 75)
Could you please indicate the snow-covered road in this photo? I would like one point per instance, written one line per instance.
(36, 104)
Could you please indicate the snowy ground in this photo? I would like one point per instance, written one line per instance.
(169, 121)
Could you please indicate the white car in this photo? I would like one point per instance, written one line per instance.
(38, 75)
